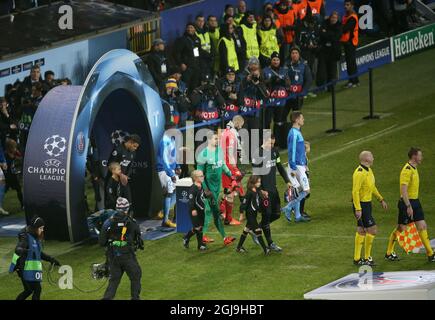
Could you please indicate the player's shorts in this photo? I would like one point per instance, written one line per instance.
(366, 220)
(166, 182)
(403, 215)
(301, 181)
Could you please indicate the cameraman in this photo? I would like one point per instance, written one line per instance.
(207, 103)
(176, 104)
(229, 87)
(278, 84)
(122, 237)
(253, 93)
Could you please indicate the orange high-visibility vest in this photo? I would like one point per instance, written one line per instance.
(315, 6)
(301, 8)
(283, 20)
(346, 36)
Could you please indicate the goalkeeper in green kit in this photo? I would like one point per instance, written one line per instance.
(211, 162)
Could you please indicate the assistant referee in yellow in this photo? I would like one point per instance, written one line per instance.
(363, 189)
(410, 209)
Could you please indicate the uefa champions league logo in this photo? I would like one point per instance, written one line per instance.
(184, 196)
(55, 145)
(118, 137)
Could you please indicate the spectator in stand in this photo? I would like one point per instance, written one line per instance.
(401, 13)
(187, 57)
(228, 57)
(269, 39)
(330, 50)
(158, 63)
(248, 30)
(49, 81)
(206, 53)
(349, 40)
(241, 12)
(286, 20)
(34, 77)
(7, 123)
(12, 172)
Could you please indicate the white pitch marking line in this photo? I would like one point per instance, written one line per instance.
(371, 137)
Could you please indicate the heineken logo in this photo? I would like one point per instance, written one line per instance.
(414, 41)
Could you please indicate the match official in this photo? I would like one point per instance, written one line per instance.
(410, 209)
(363, 189)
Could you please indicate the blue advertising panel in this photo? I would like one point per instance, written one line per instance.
(373, 55)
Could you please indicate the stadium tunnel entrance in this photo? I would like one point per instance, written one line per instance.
(119, 94)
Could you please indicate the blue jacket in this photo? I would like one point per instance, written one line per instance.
(167, 156)
(296, 148)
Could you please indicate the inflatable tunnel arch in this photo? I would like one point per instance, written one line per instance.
(119, 95)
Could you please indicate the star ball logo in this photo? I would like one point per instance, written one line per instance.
(184, 196)
(55, 145)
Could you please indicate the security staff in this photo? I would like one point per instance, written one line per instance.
(228, 57)
(268, 40)
(300, 81)
(207, 51)
(249, 36)
(363, 189)
(349, 40)
(265, 163)
(158, 63)
(215, 35)
(229, 88)
(241, 12)
(317, 10)
(286, 21)
(410, 209)
(187, 57)
(278, 83)
(27, 259)
(122, 237)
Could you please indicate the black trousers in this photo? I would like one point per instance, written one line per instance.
(270, 214)
(352, 68)
(30, 288)
(118, 265)
(327, 69)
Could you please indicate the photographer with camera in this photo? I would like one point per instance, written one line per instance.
(176, 104)
(278, 84)
(122, 237)
(253, 93)
(229, 87)
(207, 102)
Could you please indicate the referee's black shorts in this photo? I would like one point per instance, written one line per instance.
(366, 220)
(403, 217)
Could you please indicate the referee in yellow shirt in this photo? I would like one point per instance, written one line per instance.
(410, 209)
(363, 189)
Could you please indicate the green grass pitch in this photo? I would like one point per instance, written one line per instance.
(314, 253)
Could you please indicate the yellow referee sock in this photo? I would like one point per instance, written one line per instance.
(391, 242)
(426, 242)
(368, 245)
(359, 240)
